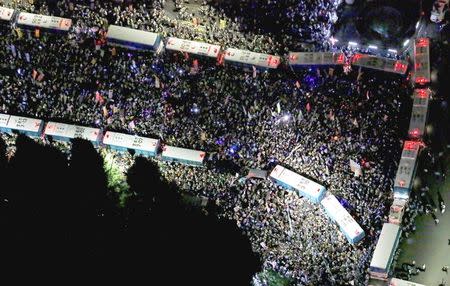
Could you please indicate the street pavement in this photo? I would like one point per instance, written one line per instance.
(430, 243)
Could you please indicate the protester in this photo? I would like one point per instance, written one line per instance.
(313, 121)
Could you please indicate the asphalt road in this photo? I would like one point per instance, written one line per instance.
(430, 243)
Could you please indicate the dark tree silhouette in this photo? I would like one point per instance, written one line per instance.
(92, 218)
(59, 210)
(202, 250)
(34, 189)
(3, 159)
(4, 206)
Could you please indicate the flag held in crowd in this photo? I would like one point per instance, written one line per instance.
(157, 82)
(331, 72)
(360, 73)
(105, 111)
(13, 50)
(132, 125)
(19, 33)
(99, 98)
(356, 168)
(222, 24)
(40, 77)
(195, 64)
(194, 68)
(331, 115)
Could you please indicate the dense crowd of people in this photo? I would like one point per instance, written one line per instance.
(311, 120)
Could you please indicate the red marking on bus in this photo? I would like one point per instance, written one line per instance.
(421, 80)
(414, 133)
(422, 42)
(421, 93)
(410, 145)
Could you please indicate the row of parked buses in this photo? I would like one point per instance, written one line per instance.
(313, 191)
(117, 141)
(150, 147)
(382, 260)
(148, 41)
(383, 257)
(318, 194)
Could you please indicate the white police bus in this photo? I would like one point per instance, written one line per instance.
(51, 23)
(406, 171)
(29, 126)
(6, 14)
(123, 142)
(67, 132)
(133, 39)
(183, 155)
(347, 224)
(295, 182)
(381, 263)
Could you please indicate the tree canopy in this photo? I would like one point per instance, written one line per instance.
(61, 209)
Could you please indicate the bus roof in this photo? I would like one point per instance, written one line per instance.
(132, 35)
(6, 13)
(385, 246)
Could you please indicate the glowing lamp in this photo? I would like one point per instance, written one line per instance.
(421, 80)
(414, 133)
